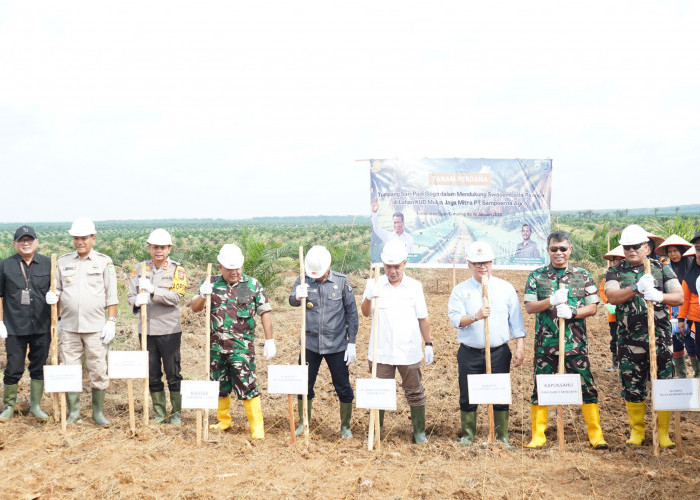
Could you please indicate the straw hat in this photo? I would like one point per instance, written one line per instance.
(615, 252)
(690, 252)
(673, 241)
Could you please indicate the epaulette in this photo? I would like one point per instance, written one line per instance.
(340, 275)
(65, 255)
(103, 255)
(175, 263)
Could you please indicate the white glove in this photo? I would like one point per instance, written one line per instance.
(142, 299)
(269, 351)
(429, 355)
(646, 283)
(3, 331)
(654, 295)
(559, 297)
(350, 354)
(564, 311)
(371, 291)
(145, 284)
(205, 289)
(108, 332)
(51, 298)
(302, 291)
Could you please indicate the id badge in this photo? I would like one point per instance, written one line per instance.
(25, 300)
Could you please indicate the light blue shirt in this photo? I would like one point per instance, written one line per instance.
(506, 318)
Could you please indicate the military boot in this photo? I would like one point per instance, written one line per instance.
(36, 391)
(635, 413)
(418, 421)
(538, 415)
(158, 399)
(345, 416)
(73, 400)
(300, 408)
(176, 407)
(9, 400)
(500, 420)
(98, 403)
(696, 369)
(679, 365)
(664, 439)
(468, 419)
(253, 410)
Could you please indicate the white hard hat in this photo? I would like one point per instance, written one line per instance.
(82, 227)
(230, 256)
(317, 261)
(633, 234)
(480, 251)
(159, 237)
(394, 252)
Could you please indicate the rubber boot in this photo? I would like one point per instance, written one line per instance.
(664, 439)
(158, 399)
(538, 415)
(300, 408)
(635, 413)
(73, 401)
(36, 391)
(696, 369)
(418, 421)
(9, 399)
(98, 404)
(381, 422)
(253, 410)
(345, 416)
(591, 415)
(500, 420)
(468, 419)
(176, 407)
(679, 365)
(223, 414)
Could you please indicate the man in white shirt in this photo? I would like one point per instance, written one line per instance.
(397, 234)
(402, 327)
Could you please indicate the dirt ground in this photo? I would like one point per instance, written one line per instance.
(37, 461)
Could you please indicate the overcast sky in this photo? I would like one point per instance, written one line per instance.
(154, 109)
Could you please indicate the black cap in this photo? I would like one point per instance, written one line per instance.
(695, 238)
(24, 231)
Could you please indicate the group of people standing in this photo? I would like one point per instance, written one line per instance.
(87, 300)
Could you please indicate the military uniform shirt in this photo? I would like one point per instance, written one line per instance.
(36, 317)
(87, 287)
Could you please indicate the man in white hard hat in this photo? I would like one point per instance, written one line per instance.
(87, 285)
(159, 284)
(331, 328)
(628, 289)
(467, 313)
(235, 300)
(399, 232)
(402, 327)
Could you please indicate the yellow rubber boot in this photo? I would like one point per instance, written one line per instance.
(223, 414)
(591, 415)
(664, 439)
(635, 412)
(253, 410)
(538, 415)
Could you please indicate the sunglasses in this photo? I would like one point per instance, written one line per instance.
(632, 247)
(561, 249)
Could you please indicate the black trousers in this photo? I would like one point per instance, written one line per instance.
(165, 350)
(16, 347)
(473, 362)
(339, 374)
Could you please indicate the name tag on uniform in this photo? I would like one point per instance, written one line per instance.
(25, 299)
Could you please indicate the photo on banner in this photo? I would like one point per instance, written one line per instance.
(439, 206)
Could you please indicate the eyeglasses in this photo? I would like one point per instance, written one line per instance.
(632, 247)
(561, 249)
(481, 264)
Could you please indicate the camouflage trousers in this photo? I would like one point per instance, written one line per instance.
(548, 364)
(634, 366)
(235, 372)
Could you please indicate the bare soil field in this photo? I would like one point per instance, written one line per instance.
(38, 461)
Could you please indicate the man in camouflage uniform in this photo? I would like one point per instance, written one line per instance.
(576, 301)
(235, 300)
(628, 288)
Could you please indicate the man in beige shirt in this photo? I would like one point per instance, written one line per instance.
(86, 286)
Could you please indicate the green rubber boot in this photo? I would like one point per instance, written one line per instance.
(418, 420)
(9, 399)
(73, 400)
(679, 365)
(696, 369)
(158, 399)
(345, 416)
(36, 390)
(176, 405)
(468, 419)
(98, 403)
(500, 420)
(300, 407)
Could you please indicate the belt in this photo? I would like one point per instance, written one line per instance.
(483, 350)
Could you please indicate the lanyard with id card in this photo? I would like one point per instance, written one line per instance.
(26, 299)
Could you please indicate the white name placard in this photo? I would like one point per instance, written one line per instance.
(287, 379)
(200, 394)
(376, 393)
(63, 378)
(559, 389)
(489, 389)
(675, 394)
(128, 364)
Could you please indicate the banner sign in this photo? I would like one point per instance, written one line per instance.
(439, 206)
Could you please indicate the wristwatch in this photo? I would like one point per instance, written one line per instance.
(634, 288)
(473, 318)
(574, 313)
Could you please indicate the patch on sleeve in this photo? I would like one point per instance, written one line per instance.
(110, 269)
(349, 287)
(133, 273)
(179, 281)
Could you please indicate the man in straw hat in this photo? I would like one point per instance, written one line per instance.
(235, 300)
(467, 313)
(402, 327)
(689, 312)
(614, 256)
(628, 288)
